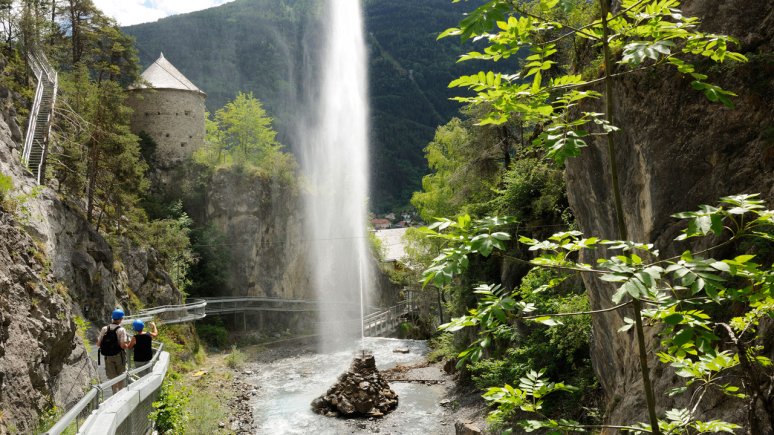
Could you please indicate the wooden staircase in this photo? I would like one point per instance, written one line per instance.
(41, 115)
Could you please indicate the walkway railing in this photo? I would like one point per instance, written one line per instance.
(239, 304)
(386, 321)
(194, 309)
(42, 112)
(378, 322)
(126, 411)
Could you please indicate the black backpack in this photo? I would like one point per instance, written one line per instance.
(109, 345)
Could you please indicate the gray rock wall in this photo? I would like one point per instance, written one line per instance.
(676, 151)
(263, 230)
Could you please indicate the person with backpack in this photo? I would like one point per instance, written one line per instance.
(112, 341)
(141, 342)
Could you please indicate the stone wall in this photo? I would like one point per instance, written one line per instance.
(173, 118)
(676, 151)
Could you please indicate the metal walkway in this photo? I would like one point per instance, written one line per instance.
(42, 112)
(127, 411)
(379, 320)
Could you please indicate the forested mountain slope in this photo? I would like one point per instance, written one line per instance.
(271, 48)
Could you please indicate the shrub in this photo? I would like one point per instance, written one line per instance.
(6, 184)
(442, 347)
(170, 411)
(214, 335)
(235, 359)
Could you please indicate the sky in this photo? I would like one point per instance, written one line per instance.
(128, 12)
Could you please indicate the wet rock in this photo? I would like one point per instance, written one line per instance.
(450, 366)
(466, 427)
(360, 391)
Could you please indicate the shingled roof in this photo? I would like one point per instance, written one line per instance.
(163, 75)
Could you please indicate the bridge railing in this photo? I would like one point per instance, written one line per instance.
(194, 309)
(126, 411)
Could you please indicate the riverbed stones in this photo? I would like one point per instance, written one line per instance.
(361, 391)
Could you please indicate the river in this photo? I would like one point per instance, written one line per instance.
(287, 386)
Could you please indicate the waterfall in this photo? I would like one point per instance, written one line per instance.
(334, 157)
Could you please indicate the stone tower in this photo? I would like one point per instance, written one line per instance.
(170, 109)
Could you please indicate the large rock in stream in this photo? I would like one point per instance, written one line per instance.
(359, 392)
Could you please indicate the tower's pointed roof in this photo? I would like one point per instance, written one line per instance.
(163, 75)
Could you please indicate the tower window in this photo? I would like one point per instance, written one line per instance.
(183, 144)
(187, 113)
(167, 135)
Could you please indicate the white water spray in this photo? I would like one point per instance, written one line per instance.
(335, 160)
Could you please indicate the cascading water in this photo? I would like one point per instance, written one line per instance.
(335, 160)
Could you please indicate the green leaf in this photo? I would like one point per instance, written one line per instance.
(547, 320)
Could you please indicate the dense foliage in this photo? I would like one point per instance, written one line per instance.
(550, 96)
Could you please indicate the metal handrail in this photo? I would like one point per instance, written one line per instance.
(55, 81)
(32, 121)
(40, 67)
(194, 305)
(95, 396)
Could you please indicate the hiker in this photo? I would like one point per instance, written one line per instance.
(141, 342)
(112, 341)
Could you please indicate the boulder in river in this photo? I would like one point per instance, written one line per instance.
(359, 392)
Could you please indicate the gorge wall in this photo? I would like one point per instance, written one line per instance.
(676, 151)
(262, 226)
(54, 268)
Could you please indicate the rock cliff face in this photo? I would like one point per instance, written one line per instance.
(54, 267)
(676, 151)
(42, 361)
(263, 229)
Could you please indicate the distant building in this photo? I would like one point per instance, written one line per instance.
(393, 247)
(169, 109)
(381, 224)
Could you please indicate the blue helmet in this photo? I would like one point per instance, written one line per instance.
(138, 325)
(118, 314)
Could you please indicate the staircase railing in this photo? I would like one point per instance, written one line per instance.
(39, 124)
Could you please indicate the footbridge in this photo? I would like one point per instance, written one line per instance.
(377, 322)
(126, 412)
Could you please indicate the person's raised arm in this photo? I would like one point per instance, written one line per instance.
(155, 332)
(124, 341)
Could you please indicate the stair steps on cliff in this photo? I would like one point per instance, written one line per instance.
(35, 145)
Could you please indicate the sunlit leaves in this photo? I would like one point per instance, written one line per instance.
(636, 52)
(528, 397)
(644, 32)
